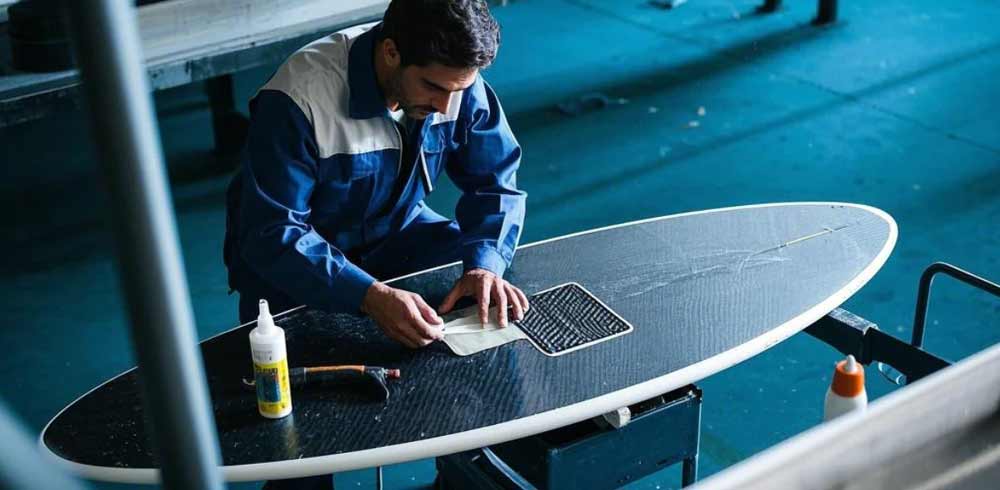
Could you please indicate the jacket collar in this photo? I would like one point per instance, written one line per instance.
(366, 99)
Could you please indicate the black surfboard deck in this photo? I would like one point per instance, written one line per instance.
(703, 290)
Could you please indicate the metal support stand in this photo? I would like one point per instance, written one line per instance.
(589, 454)
(854, 335)
(175, 395)
(228, 125)
(924, 293)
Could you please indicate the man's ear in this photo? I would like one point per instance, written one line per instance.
(389, 53)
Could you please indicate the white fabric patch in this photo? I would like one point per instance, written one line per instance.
(465, 335)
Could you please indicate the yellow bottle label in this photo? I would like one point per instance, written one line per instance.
(274, 393)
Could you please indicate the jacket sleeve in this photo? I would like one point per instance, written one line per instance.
(280, 172)
(490, 211)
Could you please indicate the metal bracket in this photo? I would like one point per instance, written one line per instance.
(851, 334)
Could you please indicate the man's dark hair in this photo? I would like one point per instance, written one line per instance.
(454, 33)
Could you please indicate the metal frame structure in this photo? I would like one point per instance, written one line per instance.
(854, 335)
(851, 334)
(924, 293)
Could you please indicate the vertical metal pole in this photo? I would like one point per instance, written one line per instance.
(109, 53)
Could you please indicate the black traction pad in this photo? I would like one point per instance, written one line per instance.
(568, 317)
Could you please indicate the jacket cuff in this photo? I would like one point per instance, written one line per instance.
(484, 258)
(350, 288)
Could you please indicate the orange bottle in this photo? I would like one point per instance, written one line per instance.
(847, 391)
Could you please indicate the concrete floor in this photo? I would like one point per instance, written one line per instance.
(894, 106)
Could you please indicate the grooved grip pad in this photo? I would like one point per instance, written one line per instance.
(568, 317)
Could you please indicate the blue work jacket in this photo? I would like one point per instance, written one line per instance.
(323, 157)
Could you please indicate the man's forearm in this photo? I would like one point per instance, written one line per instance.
(316, 274)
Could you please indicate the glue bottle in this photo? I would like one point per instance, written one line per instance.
(270, 366)
(847, 391)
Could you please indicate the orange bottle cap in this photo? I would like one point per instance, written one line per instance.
(848, 378)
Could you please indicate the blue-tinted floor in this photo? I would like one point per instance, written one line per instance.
(709, 105)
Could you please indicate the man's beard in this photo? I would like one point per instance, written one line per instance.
(418, 112)
(411, 110)
(414, 111)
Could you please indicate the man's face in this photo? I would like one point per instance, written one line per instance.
(422, 90)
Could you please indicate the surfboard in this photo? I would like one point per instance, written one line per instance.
(702, 290)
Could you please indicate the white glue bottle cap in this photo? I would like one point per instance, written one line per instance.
(267, 340)
(265, 322)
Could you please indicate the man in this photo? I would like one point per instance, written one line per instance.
(345, 141)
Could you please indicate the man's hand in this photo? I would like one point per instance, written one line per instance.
(487, 288)
(402, 315)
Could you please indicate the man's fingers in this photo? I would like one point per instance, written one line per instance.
(521, 298)
(515, 302)
(403, 325)
(451, 299)
(427, 322)
(501, 296)
(484, 302)
(424, 331)
(426, 311)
